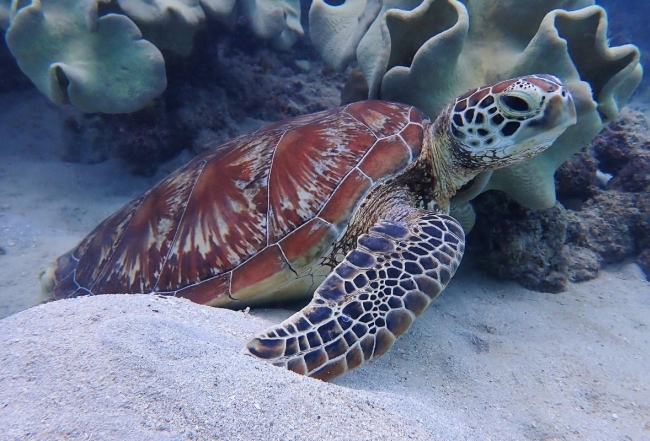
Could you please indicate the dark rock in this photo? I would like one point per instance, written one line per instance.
(604, 225)
(576, 178)
(635, 175)
(582, 263)
(204, 113)
(143, 139)
(145, 144)
(355, 88)
(546, 249)
(513, 243)
(643, 260)
(615, 144)
(641, 227)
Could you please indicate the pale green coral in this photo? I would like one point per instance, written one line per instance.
(339, 29)
(274, 20)
(98, 64)
(103, 63)
(172, 24)
(169, 24)
(426, 53)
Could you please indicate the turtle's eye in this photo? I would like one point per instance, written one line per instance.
(515, 104)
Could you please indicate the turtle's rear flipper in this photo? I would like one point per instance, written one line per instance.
(370, 298)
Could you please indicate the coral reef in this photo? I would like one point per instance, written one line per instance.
(426, 52)
(74, 55)
(209, 101)
(603, 222)
(105, 55)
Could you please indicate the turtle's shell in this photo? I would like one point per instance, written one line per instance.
(250, 214)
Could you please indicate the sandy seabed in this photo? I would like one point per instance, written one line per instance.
(488, 360)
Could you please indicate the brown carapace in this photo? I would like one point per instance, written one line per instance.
(250, 215)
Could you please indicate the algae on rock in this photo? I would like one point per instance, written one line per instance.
(604, 222)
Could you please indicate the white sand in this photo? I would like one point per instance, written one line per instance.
(489, 360)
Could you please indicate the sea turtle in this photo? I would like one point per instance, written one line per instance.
(349, 202)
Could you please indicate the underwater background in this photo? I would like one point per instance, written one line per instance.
(542, 335)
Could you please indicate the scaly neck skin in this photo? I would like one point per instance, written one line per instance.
(438, 153)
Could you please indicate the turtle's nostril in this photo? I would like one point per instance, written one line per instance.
(561, 110)
(572, 109)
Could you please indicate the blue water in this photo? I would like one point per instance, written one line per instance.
(629, 23)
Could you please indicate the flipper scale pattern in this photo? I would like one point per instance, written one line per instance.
(369, 300)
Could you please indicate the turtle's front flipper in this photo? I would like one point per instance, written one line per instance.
(370, 298)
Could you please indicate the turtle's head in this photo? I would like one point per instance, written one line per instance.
(495, 126)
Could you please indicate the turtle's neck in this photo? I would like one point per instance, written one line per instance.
(449, 177)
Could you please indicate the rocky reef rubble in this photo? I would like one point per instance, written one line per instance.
(602, 215)
(233, 90)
